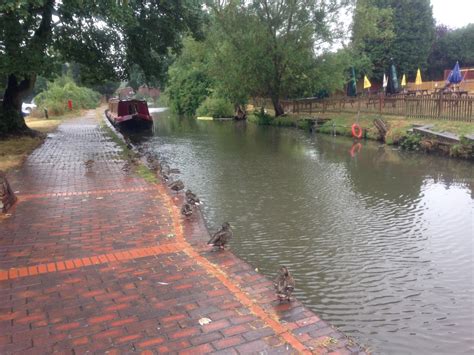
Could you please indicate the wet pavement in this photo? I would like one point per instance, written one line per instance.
(95, 259)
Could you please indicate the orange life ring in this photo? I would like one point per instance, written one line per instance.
(356, 131)
(355, 149)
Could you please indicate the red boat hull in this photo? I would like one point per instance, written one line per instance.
(129, 114)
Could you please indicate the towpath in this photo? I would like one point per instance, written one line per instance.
(95, 259)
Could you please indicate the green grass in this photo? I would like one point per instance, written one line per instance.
(146, 174)
(15, 149)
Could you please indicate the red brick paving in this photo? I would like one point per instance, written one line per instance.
(100, 260)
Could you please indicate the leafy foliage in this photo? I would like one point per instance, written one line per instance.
(450, 46)
(189, 84)
(411, 142)
(260, 49)
(108, 37)
(55, 98)
(216, 107)
(274, 42)
(398, 29)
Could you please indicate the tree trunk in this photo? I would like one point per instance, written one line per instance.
(12, 120)
(240, 113)
(277, 106)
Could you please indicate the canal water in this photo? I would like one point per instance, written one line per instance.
(380, 242)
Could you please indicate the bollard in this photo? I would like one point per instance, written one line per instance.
(69, 105)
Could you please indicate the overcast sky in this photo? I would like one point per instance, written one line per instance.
(453, 13)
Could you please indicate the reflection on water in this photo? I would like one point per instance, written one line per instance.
(380, 242)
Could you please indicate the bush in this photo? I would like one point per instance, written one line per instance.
(215, 107)
(55, 98)
(411, 142)
(261, 118)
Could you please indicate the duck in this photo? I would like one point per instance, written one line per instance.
(89, 164)
(176, 186)
(284, 284)
(187, 210)
(191, 198)
(221, 237)
(165, 171)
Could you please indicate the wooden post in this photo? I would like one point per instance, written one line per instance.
(440, 104)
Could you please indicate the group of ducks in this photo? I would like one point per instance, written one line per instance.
(284, 283)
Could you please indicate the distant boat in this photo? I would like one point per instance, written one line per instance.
(129, 114)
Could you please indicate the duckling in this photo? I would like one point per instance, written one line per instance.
(284, 284)
(191, 198)
(221, 237)
(187, 210)
(176, 186)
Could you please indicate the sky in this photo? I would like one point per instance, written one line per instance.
(453, 13)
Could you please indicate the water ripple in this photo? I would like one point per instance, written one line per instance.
(380, 244)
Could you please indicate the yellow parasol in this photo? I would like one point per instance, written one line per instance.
(418, 77)
(367, 83)
(404, 80)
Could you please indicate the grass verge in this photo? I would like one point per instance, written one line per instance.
(15, 149)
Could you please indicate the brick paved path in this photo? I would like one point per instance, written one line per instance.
(98, 260)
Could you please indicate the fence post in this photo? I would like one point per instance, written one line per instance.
(380, 103)
(440, 104)
(310, 107)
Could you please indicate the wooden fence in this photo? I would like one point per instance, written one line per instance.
(438, 107)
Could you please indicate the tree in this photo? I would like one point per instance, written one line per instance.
(398, 29)
(107, 36)
(450, 46)
(372, 36)
(136, 77)
(274, 42)
(189, 83)
(414, 29)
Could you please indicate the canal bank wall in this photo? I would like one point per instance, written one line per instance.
(406, 136)
(287, 327)
(96, 258)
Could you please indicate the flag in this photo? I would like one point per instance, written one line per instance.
(418, 77)
(385, 81)
(367, 83)
(404, 80)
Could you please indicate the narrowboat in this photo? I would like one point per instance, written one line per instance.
(129, 114)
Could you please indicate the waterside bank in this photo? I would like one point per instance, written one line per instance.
(96, 258)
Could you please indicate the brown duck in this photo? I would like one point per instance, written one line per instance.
(221, 237)
(187, 210)
(176, 186)
(191, 198)
(165, 171)
(284, 284)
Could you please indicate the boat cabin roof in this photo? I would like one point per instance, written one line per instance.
(128, 107)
